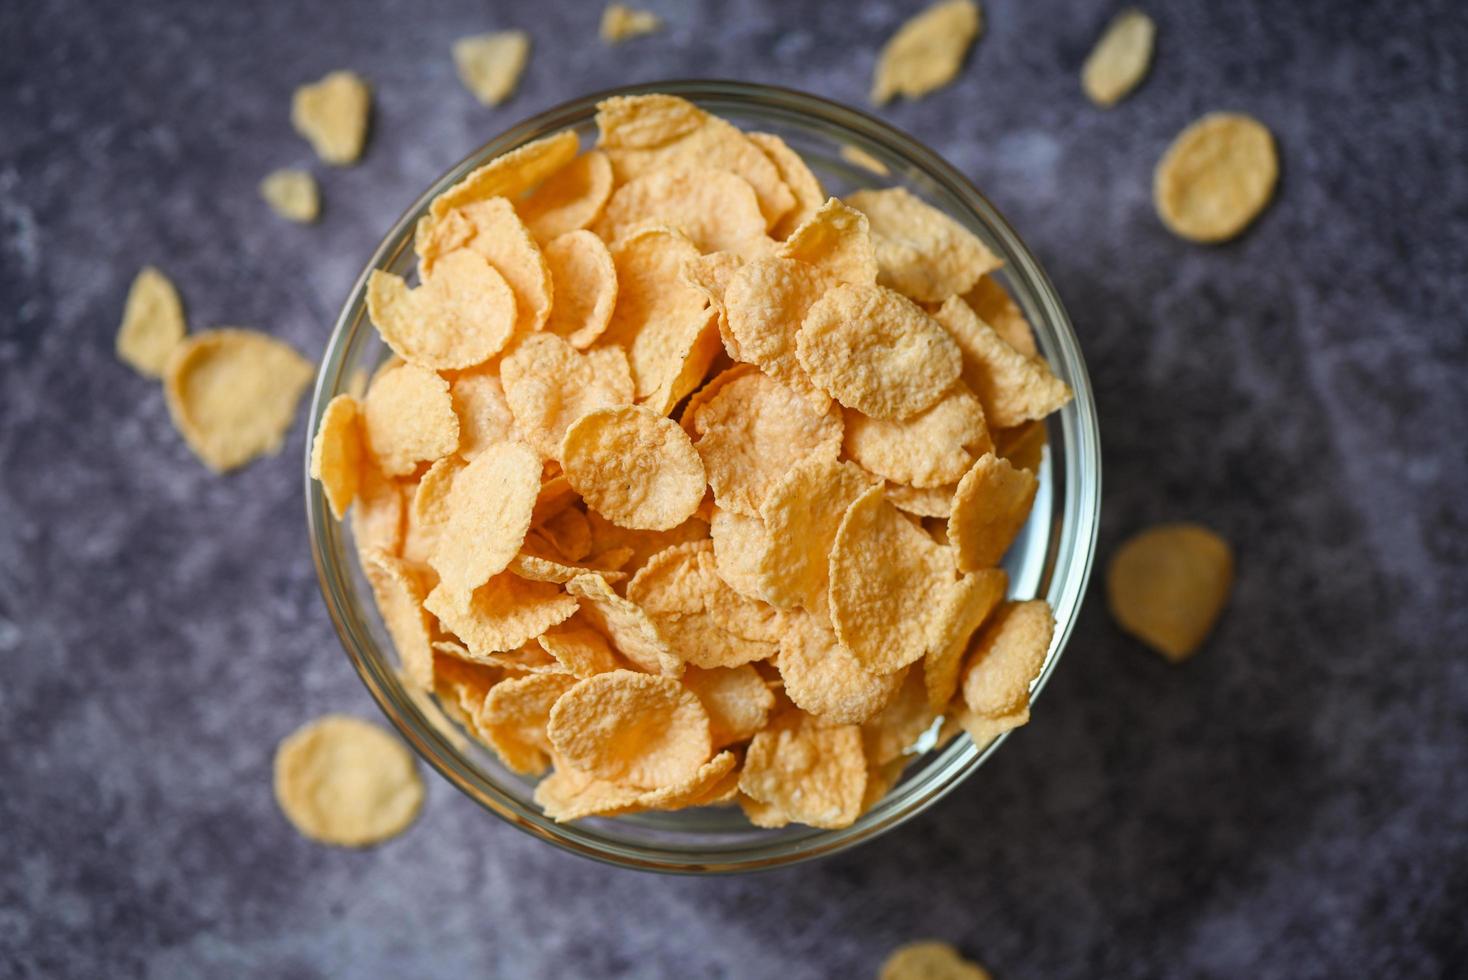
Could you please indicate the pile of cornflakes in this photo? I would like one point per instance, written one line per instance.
(689, 483)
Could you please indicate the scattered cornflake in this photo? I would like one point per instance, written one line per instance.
(926, 52)
(929, 959)
(621, 23)
(490, 64)
(332, 115)
(152, 323)
(1168, 584)
(340, 780)
(292, 194)
(1120, 59)
(1216, 177)
(233, 393)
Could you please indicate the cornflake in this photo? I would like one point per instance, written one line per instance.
(621, 23)
(1168, 584)
(489, 65)
(340, 780)
(332, 115)
(152, 323)
(292, 194)
(1216, 177)
(1120, 59)
(926, 52)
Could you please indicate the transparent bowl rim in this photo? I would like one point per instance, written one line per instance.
(1075, 547)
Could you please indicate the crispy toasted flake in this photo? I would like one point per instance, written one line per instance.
(461, 316)
(803, 184)
(484, 414)
(741, 548)
(836, 239)
(408, 418)
(680, 590)
(975, 598)
(736, 699)
(490, 64)
(292, 194)
(801, 514)
(340, 780)
(890, 585)
(503, 614)
(493, 230)
(824, 679)
(814, 773)
(1120, 59)
(717, 210)
(336, 453)
(891, 732)
(152, 323)
(647, 133)
(921, 252)
(1216, 177)
(622, 23)
(579, 648)
(638, 729)
(429, 509)
(927, 51)
(549, 385)
(400, 587)
(933, 448)
(1006, 658)
(990, 506)
(929, 960)
(626, 624)
(658, 316)
(232, 394)
(930, 502)
(377, 513)
(332, 115)
(634, 467)
(570, 199)
(998, 309)
(510, 174)
(766, 301)
(856, 156)
(752, 431)
(1168, 584)
(875, 351)
(489, 510)
(762, 814)
(984, 728)
(585, 283)
(513, 719)
(1013, 388)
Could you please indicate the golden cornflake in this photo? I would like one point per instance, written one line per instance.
(765, 303)
(927, 502)
(813, 773)
(1168, 584)
(736, 698)
(505, 613)
(921, 252)
(292, 194)
(929, 960)
(1216, 177)
(993, 304)
(639, 729)
(570, 199)
(873, 350)
(549, 385)
(990, 506)
(336, 453)
(514, 716)
(510, 174)
(332, 115)
(752, 431)
(891, 732)
(801, 513)
(461, 316)
(1013, 388)
(976, 596)
(626, 624)
(649, 133)
(931, 449)
(492, 229)
(408, 418)
(634, 467)
(377, 512)
(621, 23)
(569, 532)
(927, 51)
(489, 65)
(488, 513)
(579, 648)
(836, 240)
(152, 323)
(1007, 657)
(824, 679)
(585, 285)
(484, 414)
(680, 590)
(717, 210)
(1120, 59)
(341, 780)
(797, 176)
(400, 587)
(232, 394)
(742, 546)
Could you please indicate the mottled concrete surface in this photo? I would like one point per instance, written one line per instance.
(1292, 803)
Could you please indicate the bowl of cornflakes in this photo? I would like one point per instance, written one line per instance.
(705, 477)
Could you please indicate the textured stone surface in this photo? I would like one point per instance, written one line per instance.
(1292, 803)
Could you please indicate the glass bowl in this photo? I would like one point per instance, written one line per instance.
(1051, 558)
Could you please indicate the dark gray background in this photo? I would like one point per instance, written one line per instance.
(1292, 803)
